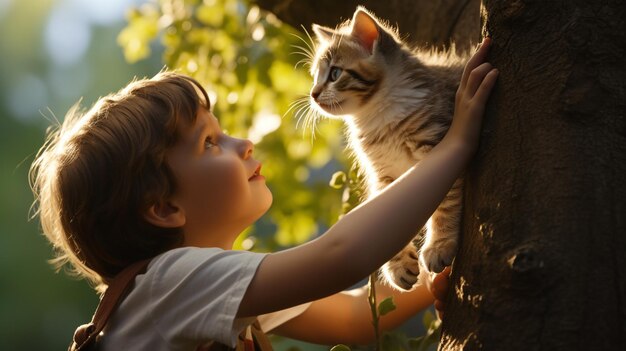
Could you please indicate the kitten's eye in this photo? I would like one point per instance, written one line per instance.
(208, 143)
(335, 72)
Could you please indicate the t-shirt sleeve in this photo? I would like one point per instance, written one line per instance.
(196, 293)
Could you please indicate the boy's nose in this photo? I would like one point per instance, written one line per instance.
(246, 147)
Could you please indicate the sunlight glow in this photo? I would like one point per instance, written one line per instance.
(102, 11)
(68, 30)
(4, 7)
(264, 123)
(67, 35)
(258, 32)
(232, 97)
(462, 291)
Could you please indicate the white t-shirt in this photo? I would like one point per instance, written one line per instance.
(186, 297)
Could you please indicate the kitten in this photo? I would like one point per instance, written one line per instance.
(397, 105)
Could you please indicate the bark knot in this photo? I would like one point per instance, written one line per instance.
(525, 259)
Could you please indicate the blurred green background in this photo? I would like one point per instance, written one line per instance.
(55, 53)
(52, 53)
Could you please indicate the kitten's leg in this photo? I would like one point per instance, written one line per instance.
(443, 230)
(403, 269)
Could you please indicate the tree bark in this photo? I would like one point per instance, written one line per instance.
(542, 261)
(428, 23)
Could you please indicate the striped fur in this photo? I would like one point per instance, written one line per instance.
(397, 104)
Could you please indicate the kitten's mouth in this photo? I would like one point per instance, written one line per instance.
(334, 107)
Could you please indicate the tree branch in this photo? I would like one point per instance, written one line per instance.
(425, 22)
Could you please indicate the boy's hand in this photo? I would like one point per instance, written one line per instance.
(439, 288)
(478, 79)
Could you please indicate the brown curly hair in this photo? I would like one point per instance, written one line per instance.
(99, 171)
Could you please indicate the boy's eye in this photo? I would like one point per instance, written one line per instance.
(208, 143)
(335, 72)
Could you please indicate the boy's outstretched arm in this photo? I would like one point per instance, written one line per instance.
(376, 230)
(346, 317)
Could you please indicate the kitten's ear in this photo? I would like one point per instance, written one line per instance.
(365, 29)
(323, 33)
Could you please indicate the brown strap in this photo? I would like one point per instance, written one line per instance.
(86, 334)
(260, 342)
(260, 338)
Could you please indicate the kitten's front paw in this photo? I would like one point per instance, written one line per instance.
(438, 255)
(403, 270)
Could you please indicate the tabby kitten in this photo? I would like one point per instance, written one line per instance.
(397, 104)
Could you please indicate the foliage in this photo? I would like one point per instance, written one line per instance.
(397, 341)
(400, 342)
(39, 310)
(246, 60)
(352, 186)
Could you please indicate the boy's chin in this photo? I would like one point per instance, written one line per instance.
(268, 204)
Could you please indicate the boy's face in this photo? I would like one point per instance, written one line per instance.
(219, 186)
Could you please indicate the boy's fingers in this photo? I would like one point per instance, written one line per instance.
(482, 94)
(439, 307)
(478, 58)
(477, 75)
(440, 284)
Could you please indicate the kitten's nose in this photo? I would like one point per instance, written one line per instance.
(315, 95)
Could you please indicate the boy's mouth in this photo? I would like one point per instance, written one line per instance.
(257, 173)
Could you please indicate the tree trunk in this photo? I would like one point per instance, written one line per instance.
(542, 261)
(427, 22)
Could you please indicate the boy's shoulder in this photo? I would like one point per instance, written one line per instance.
(186, 291)
(191, 262)
(185, 253)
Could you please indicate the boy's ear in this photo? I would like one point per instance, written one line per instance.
(365, 29)
(165, 214)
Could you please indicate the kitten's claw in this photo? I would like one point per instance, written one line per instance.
(403, 270)
(438, 255)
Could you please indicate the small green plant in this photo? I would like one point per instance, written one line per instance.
(378, 310)
(352, 186)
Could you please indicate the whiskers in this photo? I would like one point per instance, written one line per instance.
(305, 114)
(336, 106)
(305, 111)
(307, 49)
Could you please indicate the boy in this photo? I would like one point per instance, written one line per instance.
(148, 173)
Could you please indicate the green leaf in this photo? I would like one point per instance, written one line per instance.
(428, 318)
(210, 15)
(136, 37)
(394, 341)
(340, 347)
(386, 306)
(432, 336)
(338, 180)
